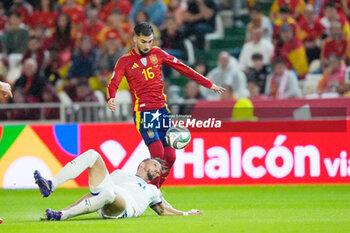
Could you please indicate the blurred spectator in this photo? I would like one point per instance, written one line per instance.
(82, 61)
(123, 6)
(49, 95)
(142, 16)
(201, 67)
(192, 92)
(257, 44)
(25, 9)
(80, 92)
(44, 14)
(3, 19)
(296, 6)
(345, 8)
(92, 26)
(99, 5)
(51, 71)
(311, 31)
(155, 9)
(19, 97)
(15, 37)
(337, 43)
(333, 74)
(292, 50)
(61, 38)
(75, 11)
(177, 8)
(77, 16)
(237, 7)
(282, 83)
(257, 18)
(40, 34)
(227, 73)
(284, 18)
(115, 24)
(317, 5)
(255, 91)
(172, 39)
(108, 55)
(258, 72)
(228, 94)
(105, 62)
(30, 81)
(34, 51)
(225, 5)
(200, 20)
(332, 15)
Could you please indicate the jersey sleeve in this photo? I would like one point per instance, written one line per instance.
(116, 78)
(156, 197)
(173, 62)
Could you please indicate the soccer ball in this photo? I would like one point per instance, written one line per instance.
(178, 137)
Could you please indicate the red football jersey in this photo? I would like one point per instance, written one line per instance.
(144, 75)
(331, 46)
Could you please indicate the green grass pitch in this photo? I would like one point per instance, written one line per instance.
(226, 209)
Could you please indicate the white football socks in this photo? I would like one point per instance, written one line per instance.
(74, 168)
(89, 205)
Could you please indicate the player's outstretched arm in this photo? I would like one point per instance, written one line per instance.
(5, 89)
(163, 210)
(218, 89)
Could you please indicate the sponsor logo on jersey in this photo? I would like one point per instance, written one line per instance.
(134, 66)
(154, 59)
(144, 61)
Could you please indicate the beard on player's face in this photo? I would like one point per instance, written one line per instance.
(150, 177)
(144, 52)
(144, 44)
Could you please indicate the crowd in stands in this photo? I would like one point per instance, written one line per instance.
(49, 48)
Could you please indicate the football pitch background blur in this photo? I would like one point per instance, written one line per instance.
(226, 209)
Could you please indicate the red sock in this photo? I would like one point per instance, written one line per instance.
(169, 157)
(156, 150)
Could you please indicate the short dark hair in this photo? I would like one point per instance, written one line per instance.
(83, 82)
(255, 8)
(257, 56)
(278, 60)
(284, 9)
(115, 12)
(253, 80)
(15, 13)
(330, 5)
(143, 28)
(33, 38)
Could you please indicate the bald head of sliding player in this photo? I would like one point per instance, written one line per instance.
(149, 169)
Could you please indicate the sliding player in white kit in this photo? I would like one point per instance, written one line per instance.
(115, 195)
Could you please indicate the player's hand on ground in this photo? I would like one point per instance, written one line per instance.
(5, 89)
(194, 212)
(218, 89)
(111, 104)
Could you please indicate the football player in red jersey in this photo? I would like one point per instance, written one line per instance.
(142, 67)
